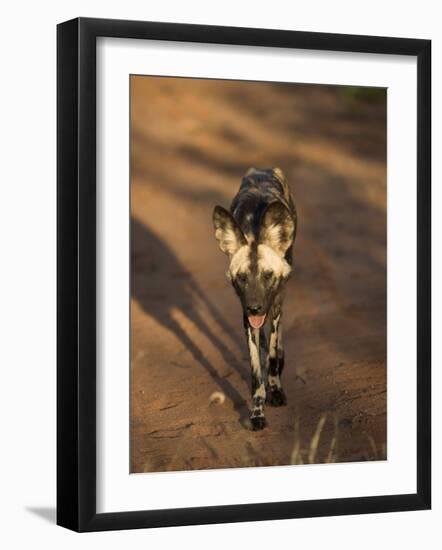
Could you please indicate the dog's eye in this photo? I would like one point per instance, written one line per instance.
(241, 277)
(267, 275)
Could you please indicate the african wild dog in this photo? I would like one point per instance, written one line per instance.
(257, 235)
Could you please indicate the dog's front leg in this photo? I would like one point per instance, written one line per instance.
(276, 396)
(257, 417)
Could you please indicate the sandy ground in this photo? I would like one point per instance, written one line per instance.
(191, 142)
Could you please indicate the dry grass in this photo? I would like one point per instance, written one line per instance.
(317, 451)
(302, 454)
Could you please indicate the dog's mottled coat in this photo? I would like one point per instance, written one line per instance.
(257, 234)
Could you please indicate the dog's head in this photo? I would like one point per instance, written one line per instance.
(257, 268)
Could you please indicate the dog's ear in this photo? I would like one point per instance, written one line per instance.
(277, 228)
(227, 232)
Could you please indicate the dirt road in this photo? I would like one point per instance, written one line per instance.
(191, 142)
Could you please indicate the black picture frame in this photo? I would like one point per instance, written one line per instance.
(76, 273)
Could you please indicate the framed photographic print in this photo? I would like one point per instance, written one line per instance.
(243, 274)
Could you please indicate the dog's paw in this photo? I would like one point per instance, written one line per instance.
(258, 423)
(276, 398)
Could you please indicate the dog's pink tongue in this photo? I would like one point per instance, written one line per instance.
(257, 321)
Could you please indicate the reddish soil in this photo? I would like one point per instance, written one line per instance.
(192, 140)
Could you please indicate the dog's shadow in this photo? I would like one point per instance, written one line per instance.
(153, 260)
